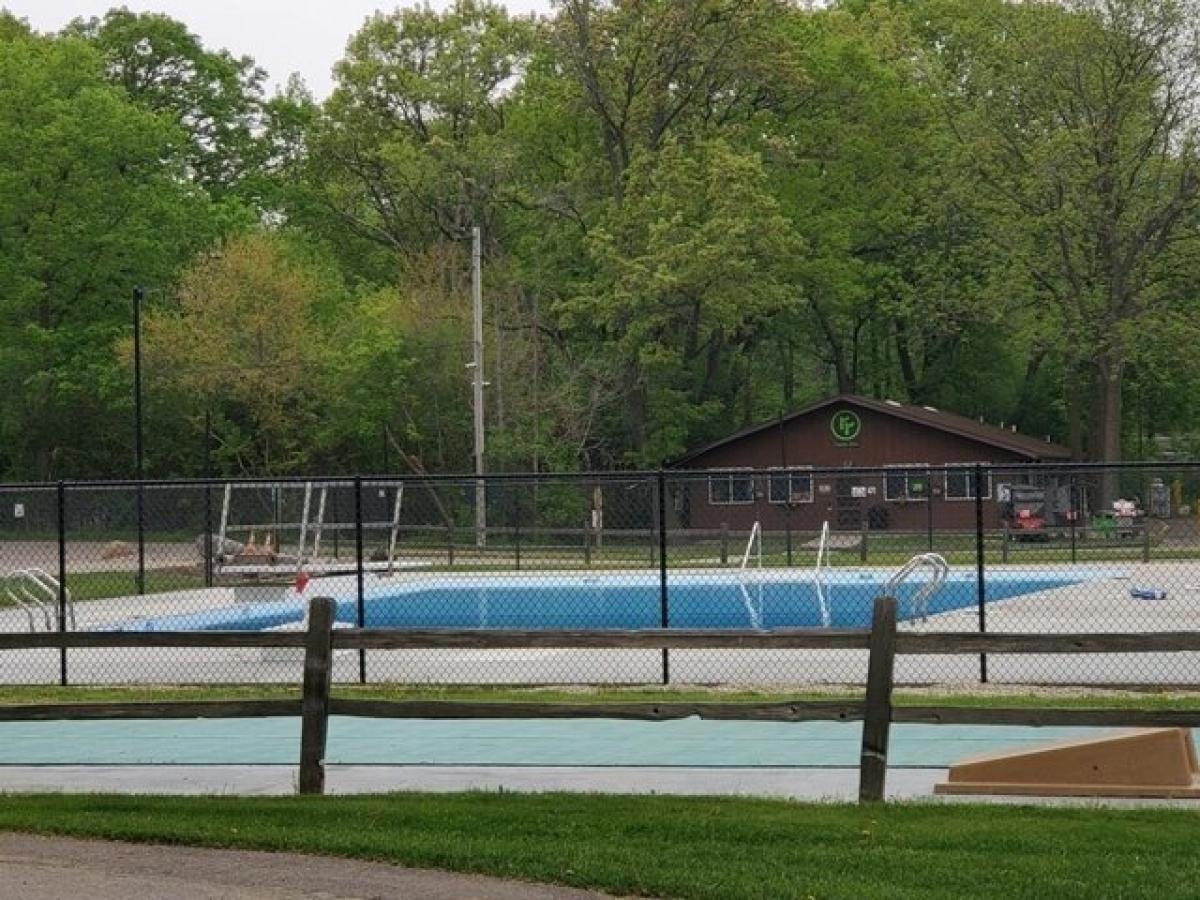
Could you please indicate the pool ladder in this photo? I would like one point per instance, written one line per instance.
(939, 571)
(36, 592)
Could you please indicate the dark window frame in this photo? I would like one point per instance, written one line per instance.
(907, 471)
(729, 476)
(790, 473)
(968, 472)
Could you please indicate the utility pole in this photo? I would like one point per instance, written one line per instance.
(477, 366)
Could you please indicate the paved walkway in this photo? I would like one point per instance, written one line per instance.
(42, 868)
(834, 785)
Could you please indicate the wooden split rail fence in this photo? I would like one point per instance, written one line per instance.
(882, 641)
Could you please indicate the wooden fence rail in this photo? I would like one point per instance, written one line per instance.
(882, 642)
(907, 643)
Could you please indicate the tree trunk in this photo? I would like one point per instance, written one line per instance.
(1073, 390)
(837, 352)
(1032, 366)
(908, 370)
(635, 407)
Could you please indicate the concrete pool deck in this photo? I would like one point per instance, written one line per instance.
(1100, 602)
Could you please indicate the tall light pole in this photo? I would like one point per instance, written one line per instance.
(477, 384)
(139, 294)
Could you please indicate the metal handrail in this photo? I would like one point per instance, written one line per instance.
(823, 602)
(939, 572)
(33, 581)
(755, 533)
(25, 605)
(755, 615)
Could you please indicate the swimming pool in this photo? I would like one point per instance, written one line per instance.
(621, 600)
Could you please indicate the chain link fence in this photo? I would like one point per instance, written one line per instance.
(969, 548)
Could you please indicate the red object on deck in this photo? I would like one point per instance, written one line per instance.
(302, 581)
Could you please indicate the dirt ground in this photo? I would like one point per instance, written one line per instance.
(96, 556)
(51, 868)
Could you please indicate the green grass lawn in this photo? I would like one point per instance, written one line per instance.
(1175, 700)
(678, 846)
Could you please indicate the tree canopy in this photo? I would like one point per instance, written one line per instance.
(697, 214)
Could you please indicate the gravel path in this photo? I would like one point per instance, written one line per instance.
(51, 868)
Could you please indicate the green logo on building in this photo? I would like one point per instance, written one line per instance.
(845, 425)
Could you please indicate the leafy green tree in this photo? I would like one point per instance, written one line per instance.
(1077, 122)
(406, 151)
(216, 97)
(649, 69)
(93, 201)
(247, 341)
(689, 269)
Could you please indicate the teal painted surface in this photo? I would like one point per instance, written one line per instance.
(583, 742)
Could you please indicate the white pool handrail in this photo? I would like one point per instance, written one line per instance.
(51, 589)
(30, 608)
(40, 592)
(754, 541)
(939, 572)
(818, 582)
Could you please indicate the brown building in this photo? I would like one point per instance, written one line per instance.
(924, 459)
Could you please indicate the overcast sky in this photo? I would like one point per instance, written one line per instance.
(283, 36)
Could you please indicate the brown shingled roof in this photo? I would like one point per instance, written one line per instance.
(992, 435)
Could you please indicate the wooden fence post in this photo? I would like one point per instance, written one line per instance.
(862, 541)
(877, 712)
(318, 673)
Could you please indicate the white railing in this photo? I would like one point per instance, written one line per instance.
(36, 593)
(31, 606)
(939, 572)
(818, 582)
(755, 614)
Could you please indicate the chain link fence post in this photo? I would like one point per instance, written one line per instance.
(208, 501)
(664, 609)
(980, 589)
(929, 508)
(140, 501)
(62, 578)
(361, 616)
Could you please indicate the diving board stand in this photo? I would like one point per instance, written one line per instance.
(275, 560)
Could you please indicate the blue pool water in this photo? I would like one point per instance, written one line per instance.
(621, 601)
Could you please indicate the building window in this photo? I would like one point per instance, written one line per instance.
(790, 486)
(902, 483)
(733, 487)
(960, 484)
